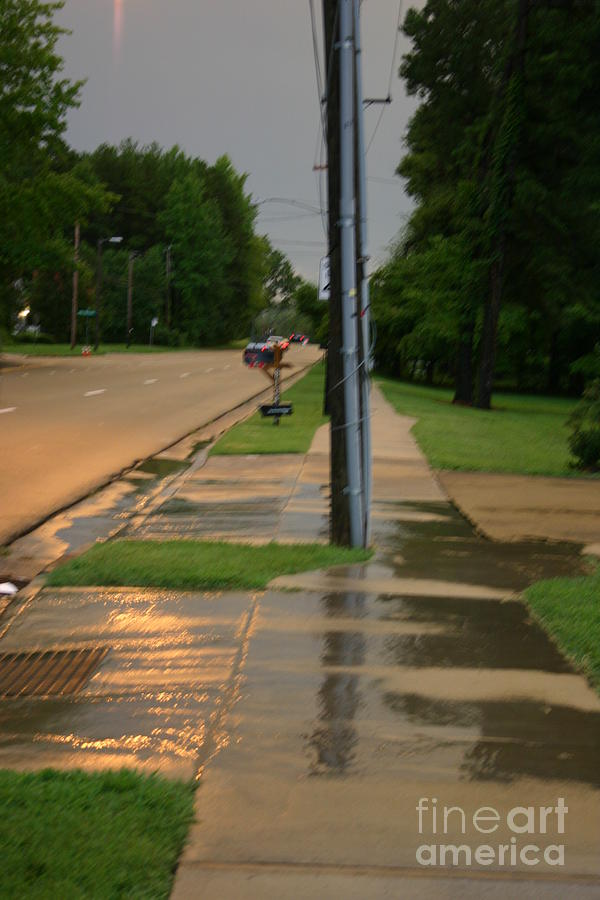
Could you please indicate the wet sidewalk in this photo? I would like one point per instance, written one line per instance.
(318, 721)
(417, 679)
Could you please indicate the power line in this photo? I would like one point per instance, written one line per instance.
(391, 77)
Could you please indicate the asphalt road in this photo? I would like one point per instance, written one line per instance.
(68, 424)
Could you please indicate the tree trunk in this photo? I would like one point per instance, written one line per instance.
(553, 375)
(490, 332)
(463, 385)
(501, 194)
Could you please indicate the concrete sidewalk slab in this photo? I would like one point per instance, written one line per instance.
(518, 507)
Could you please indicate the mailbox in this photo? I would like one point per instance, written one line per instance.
(259, 354)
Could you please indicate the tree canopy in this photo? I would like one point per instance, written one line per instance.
(496, 274)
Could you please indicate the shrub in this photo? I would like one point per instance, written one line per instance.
(584, 440)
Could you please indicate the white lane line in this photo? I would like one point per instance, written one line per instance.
(94, 393)
(185, 374)
(7, 409)
(150, 380)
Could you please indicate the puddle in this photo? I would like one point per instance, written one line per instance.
(447, 548)
(162, 466)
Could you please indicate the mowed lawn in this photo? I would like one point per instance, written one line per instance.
(522, 434)
(569, 608)
(197, 565)
(99, 835)
(294, 433)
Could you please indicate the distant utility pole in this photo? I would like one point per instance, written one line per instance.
(75, 299)
(132, 256)
(348, 508)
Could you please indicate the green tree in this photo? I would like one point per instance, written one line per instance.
(202, 253)
(41, 195)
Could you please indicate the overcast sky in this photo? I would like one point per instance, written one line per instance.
(227, 76)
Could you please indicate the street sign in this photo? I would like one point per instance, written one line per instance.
(154, 322)
(279, 409)
(87, 313)
(324, 279)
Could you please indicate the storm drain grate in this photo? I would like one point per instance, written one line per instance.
(39, 673)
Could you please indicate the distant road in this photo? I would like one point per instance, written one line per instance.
(68, 424)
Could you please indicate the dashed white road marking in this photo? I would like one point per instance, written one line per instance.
(185, 374)
(7, 409)
(94, 393)
(150, 380)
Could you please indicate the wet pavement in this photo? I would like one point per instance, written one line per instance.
(318, 720)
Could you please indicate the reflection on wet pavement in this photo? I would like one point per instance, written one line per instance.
(149, 702)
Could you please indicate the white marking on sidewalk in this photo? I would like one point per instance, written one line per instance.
(150, 380)
(94, 393)
(7, 409)
(185, 374)
(209, 370)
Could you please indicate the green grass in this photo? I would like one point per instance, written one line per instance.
(294, 433)
(569, 609)
(190, 565)
(65, 349)
(521, 434)
(27, 349)
(71, 834)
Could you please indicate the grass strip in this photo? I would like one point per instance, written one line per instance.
(31, 349)
(73, 834)
(524, 435)
(294, 433)
(569, 609)
(190, 565)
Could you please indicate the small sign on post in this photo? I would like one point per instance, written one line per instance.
(324, 279)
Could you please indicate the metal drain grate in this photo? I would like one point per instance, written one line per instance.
(52, 672)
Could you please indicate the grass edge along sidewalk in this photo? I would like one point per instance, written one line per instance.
(196, 565)
(569, 610)
(522, 434)
(78, 834)
(294, 433)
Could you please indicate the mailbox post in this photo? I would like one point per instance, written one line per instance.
(267, 356)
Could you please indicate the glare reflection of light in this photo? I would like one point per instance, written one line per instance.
(117, 26)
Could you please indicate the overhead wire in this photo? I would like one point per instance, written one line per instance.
(391, 77)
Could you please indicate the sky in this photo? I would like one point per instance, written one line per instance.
(227, 76)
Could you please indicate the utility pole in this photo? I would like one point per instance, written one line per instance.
(339, 514)
(132, 256)
(75, 299)
(347, 514)
(362, 281)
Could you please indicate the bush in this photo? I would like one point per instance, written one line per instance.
(28, 338)
(584, 441)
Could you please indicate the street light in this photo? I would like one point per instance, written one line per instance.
(132, 256)
(116, 239)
